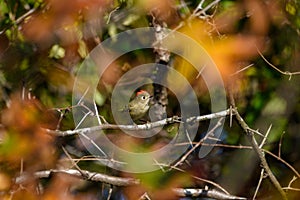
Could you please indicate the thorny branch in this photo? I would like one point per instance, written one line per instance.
(83, 174)
(290, 74)
(250, 134)
(120, 181)
(192, 192)
(196, 177)
(183, 158)
(136, 127)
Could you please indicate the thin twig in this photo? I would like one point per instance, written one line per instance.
(265, 138)
(109, 193)
(94, 144)
(110, 13)
(71, 159)
(195, 14)
(243, 69)
(199, 7)
(293, 179)
(101, 159)
(283, 161)
(291, 188)
(230, 119)
(203, 11)
(279, 145)
(184, 157)
(277, 69)
(197, 178)
(262, 172)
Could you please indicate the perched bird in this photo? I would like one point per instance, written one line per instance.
(139, 106)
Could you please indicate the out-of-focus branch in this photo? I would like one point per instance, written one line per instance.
(202, 11)
(83, 174)
(120, 181)
(160, 94)
(20, 19)
(250, 134)
(147, 126)
(205, 193)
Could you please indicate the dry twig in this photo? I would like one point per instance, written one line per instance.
(135, 127)
(83, 174)
(260, 153)
(193, 192)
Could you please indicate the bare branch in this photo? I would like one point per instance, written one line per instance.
(74, 164)
(291, 188)
(290, 183)
(250, 134)
(276, 68)
(118, 181)
(283, 161)
(135, 127)
(197, 178)
(199, 11)
(83, 174)
(204, 193)
(20, 19)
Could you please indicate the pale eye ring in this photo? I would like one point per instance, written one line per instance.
(143, 97)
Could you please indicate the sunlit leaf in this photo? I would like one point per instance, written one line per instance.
(130, 19)
(82, 49)
(57, 52)
(290, 8)
(99, 98)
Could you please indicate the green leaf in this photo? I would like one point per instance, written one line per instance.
(131, 18)
(290, 8)
(112, 32)
(99, 98)
(82, 49)
(57, 52)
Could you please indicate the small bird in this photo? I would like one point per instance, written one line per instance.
(139, 106)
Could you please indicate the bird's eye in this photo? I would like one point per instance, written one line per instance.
(143, 97)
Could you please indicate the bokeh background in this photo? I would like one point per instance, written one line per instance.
(255, 45)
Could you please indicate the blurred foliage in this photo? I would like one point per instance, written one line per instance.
(43, 43)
